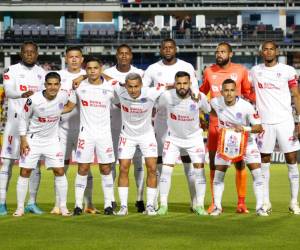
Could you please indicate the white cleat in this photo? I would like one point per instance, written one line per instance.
(123, 211)
(216, 211)
(261, 212)
(55, 210)
(150, 211)
(294, 208)
(19, 212)
(267, 207)
(65, 212)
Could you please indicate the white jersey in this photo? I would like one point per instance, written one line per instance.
(241, 113)
(273, 97)
(95, 101)
(70, 120)
(137, 113)
(40, 116)
(183, 114)
(114, 73)
(19, 79)
(159, 73)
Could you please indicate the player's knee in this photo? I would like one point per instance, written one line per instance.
(25, 172)
(291, 158)
(58, 171)
(105, 169)
(265, 158)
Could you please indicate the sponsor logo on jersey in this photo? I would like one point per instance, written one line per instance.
(267, 86)
(84, 103)
(125, 108)
(173, 116)
(26, 108)
(23, 88)
(239, 116)
(42, 119)
(234, 76)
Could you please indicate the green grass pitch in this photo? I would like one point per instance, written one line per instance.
(180, 229)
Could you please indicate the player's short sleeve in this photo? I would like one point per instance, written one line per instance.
(213, 103)
(72, 97)
(9, 85)
(292, 77)
(253, 115)
(147, 78)
(163, 99)
(203, 103)
(155, 92)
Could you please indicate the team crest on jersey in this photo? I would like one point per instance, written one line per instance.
(193, 107)
(143, 100)
(104, 91)
(78, 154)
(234, 76)
(39, 77)
(61, 105)
(214, 77)
(278, 74)
(9, 150)
(239, 116)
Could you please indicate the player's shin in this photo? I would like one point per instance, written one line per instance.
(107, 186)
(61, 185)
(123, 195)
(265, 170)
(258, 187)
(88, 192)
(139, 176)
(22, 188)
(200, 186)
(5, 174)
(165, 184)
(294, 182)
(34, 183)
(190, 176)
(218, 188)
(80, 185)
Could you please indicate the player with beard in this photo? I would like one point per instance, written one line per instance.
(21, 80)
(119, 72)
(213, 78)
(163, 72)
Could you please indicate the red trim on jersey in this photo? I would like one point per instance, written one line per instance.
(5, 77)
(293, 83)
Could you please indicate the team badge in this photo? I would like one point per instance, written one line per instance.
(278, 74)
(239, 116)
(193, 107)
(234, 76)
(39, 77)
(9, 150)
(214, 77)
(143, 100)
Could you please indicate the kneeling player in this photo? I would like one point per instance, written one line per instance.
(235, 113)
(183, 133)
(39, 137)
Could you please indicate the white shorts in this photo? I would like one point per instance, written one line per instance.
(68, 139)
(49, 149)
(194, 148)
(283, 133)
(11, 139)
(87, 147)
(252, 155)
(147, 144)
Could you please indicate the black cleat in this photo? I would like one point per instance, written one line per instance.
(108, 211)
(77, 211)
(140, 206)
(114, 205)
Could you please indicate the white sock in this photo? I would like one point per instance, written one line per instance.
(88, 192)
(151, 193)
(158, 173)
(66, 167)
(114, 174)
(5, 175)
(139, 176)
(265, 170)
(61, 185)
(123, 194)
(200, 185)
(190, 176)
(218, 188)
(22, 188)
(258, 187)
(80, 185)
(165, 184)
(294, 182)
(34, 183)
(107, 187)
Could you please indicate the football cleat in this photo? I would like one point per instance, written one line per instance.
(55, 210)
(150, 211)
(65, 212)
(108, 211)
(242, 209)
(114, 205)
(123, 211)
(19, 212)
(140, 206)
(294, 208)
(268, 207)
(33, 208)
(91, 210)
(199, 210)
(77, 211)
(3, 209)
(163, 210)
(261, 212)
(216, 212)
